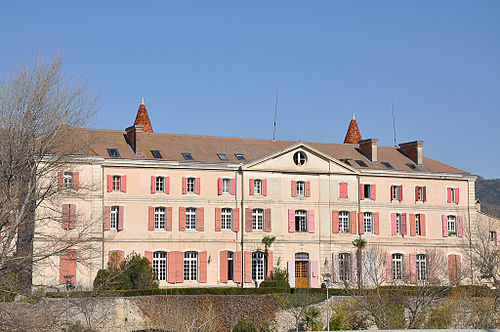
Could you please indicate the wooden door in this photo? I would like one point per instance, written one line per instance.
(301, 274)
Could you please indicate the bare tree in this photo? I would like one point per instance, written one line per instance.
(40, 116)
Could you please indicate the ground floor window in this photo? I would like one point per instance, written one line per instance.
(191, 266)
(345, 267)
(160, 265)
(257, 266)
(397, 267)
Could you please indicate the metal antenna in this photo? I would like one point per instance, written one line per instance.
(275, 116)
(394, 123)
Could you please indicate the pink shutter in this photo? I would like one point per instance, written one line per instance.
(335, 221)
(291, 273)
(448, 190)
(376, 224)
(60, 180)
(72, 216)
(237, 266)
(354, 264)
(267, 220)
(124, 183)
(313, 273)
(236, 220)
(460, 225)
(422, 225)
(76, 181)
(393, 224)
(361, 223)
(248, 266)
(120, 218)
(203, 266)
(291, 220)
(444, 222)
(109, 185)
(413, 268)
(406, 268)
(498, 237)
(353, 222)
(223, 266)
(388, 268)
(169, 219)
(65, 216)
(374, 192)
(153, 184)
(392, 193)
(294, 188)
(67, 265)
(343, 189)
(219, 186)
(107, 218)
(251, 187)
(171, 276)
(269, 264)
(361, 191)
(184, 185)
(310, 221)
(400, 193)
(179, 266)
(457, 200)
(233, 187)
(248, 219)
(416, 193)
(413, 227)
(151, 218)
(218, 222)
(198, 186)
(201, 219)
(403, 224)
(182, 219)
(424, 191)
(264, 187)
(308, 188)
(167, 184)
(149, 256)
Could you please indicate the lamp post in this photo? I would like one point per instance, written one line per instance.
(69, 285)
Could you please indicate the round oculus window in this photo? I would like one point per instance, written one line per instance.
(299, 158)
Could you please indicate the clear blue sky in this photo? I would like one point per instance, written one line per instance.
(212, 67)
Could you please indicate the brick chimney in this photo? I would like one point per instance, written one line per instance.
(134, 139)
(353, 136)
(413, 150)
(368, 148)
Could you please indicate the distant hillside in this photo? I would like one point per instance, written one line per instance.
(488, 193)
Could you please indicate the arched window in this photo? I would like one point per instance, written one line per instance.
(397, 267)
(257, 266)
(191, 265)
(345, 267)
(421, 267)
(160, 265)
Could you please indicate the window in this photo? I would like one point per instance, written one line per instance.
(345, 267)
(156, 154)
(230, 265)
(387, 165)
(113, 153)
(301, 188)
(187, 156)
(301, 221)
(299, 158)
(398, 224)
(160, 184)
(117, 182)
(361, 163)
(412, 166)
(492, 237)
(257, 187)
(191, 185)
(160, 265)
(419, 194)
(368, 222)
(226, 186)
(452, 225)
(452, 194)
(68, 180)
(418, 226)
(257, 219)
(257, 266)
(191, 218)
(191, 266)
(397, 267)
(222, 156)
(113, 218)
(240, 156)
(395, 195)
(226, 218)
(421, 267)
(159, 218)
(367, 190)
(344, 224)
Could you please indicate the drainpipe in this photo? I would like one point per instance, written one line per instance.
(102, 215)
(236, 206)
(242, 229)
(470, 233)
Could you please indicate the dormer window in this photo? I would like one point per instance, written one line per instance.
(156, 154)
(240, 156)
(222, 156)
(299, 158)
(187, 156)
(113, 153)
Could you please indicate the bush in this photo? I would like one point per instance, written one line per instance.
(275, 283)
(9, 286)
(345, 316)
(279, 274)
(312, 319)
(244, 326)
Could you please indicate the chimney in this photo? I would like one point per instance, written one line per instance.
(134, 137)
(413, 150)
(368, 148)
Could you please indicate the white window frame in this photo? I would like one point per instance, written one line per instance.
(257, 187)
(68, 180)
(226, 218)
(397, 266)
(257, 219)
(344, 222)
(421, 263)
(418, 224)
(160, 265)
(492, 237)
(230, 265)
(451, 224)
(368, 222)
(395, 192)
(301, 188)
(345, 266)
(226, 186)
(191, 218)
(160, 184)
(190, 266)
(301, 221)
(191, 185)
(399, 223)
(452, 194)
(367, 188)
(299, 158)
(113, 217)
(160, 218)
(258, 266)
(116, 183)
(420, 194)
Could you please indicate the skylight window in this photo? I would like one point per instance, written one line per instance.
(413, 167)
(240, 156)
(187, 155)
(361, 163)
(113, 153)
(156, 154)
(222, 156)
(386, 164)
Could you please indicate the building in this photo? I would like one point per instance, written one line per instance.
(198, 207)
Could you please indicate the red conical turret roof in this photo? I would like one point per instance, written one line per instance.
(142, 119)
(353, 135)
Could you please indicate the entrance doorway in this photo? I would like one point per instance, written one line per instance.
(301, 270)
